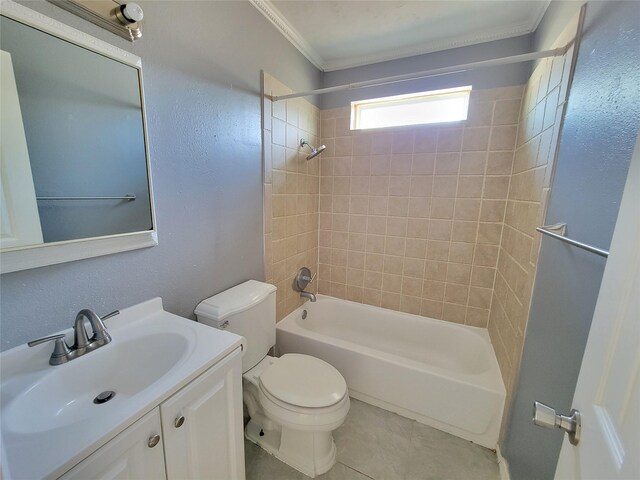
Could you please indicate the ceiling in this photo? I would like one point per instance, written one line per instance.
(341, 34)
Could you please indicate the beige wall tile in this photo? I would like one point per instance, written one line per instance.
(461, 252)
(445, 186)
(425, 140)
(470, 186)
(506, 112)
(476, 138)
(433, 220)
(473, 163)
(532, 168)
(467, 209)
(480, 114)
(435, 270)
(423, 163)
(454, 313)
(430, 308)
(449, 140)
(500, 163)
(503, 137)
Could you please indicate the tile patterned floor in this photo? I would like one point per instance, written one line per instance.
(380, 445)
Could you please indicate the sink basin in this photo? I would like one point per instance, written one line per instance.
(49, 421)
(64, 396)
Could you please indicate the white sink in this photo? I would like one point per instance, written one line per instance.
(49, 421)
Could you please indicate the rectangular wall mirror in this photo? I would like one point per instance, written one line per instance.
(75, 178)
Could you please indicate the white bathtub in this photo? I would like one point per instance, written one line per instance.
(439, 373)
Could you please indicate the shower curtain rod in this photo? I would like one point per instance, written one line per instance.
(434, 72)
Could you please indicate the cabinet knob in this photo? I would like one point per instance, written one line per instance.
(179, 421)
(154, 440)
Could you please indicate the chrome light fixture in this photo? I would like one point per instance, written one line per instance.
(123, 19)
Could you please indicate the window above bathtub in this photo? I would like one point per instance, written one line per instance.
(436, 106)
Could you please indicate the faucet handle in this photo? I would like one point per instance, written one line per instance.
(309, 279)
(48, 338)
(61, 350)
(302, 279)
(109, 315)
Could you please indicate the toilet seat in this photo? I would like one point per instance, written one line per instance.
(303, 418)
(302, 383)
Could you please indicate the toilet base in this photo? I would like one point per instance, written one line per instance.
(312, 453)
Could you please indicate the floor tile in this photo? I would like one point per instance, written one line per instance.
(374, 442)
(380, 445)
(260, 465)
(342, 472)
(438, 455)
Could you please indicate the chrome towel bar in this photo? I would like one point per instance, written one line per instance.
(561, 227)
(130, 197)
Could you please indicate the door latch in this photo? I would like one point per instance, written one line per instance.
(545, 416)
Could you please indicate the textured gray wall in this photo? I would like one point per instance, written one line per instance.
(596, 144)
(516, 74)
(201, 64)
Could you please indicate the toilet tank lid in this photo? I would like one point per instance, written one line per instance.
(234, 300)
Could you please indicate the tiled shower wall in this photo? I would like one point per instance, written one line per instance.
(411, 218)
(290, 193)
(543, 104)
(431, 220)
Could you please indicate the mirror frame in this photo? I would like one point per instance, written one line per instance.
(33, 256)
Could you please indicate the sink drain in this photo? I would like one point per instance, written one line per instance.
(104, 397)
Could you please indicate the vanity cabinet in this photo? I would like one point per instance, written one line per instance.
(194, 434)
(202, 425)
(128, 455)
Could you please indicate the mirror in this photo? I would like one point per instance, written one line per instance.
(75, 168)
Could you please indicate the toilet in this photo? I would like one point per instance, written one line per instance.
(294, 402)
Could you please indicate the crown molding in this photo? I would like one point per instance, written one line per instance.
(297, 40)
(543, 5)
(271, 13)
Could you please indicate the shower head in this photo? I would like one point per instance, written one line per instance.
(314, 151)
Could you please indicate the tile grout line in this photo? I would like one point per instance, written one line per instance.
(355, 470)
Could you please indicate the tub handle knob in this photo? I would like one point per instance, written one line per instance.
(310, 280)
(304, 278)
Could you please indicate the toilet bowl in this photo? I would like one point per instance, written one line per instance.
(294, 402)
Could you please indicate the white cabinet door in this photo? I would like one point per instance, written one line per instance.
(202, 425)
(126, 456)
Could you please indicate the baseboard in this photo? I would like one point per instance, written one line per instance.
(502, 465)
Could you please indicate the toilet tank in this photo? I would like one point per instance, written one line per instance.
(249, 310)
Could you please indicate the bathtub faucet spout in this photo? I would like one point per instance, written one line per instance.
(309, 295)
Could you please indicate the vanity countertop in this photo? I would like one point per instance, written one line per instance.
(49, 422)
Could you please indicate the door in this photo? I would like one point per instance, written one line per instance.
(19, 218)
(135, 453)
(202, 425)
(608, 390)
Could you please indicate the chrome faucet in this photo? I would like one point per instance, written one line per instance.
(82, 344)
(309, 295)
(100, 335)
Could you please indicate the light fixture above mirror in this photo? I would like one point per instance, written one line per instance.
(124, 19)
